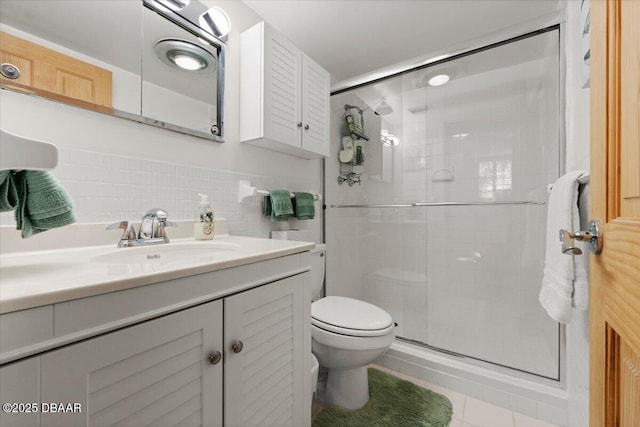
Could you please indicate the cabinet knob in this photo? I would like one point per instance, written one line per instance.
(237, 346)
(299, 124)
(215, 357)
(306, 127)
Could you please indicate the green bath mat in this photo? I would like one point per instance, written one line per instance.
(393, 402)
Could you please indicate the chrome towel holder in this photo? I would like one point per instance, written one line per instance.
(246, 190)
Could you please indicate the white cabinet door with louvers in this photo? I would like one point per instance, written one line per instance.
(158, 373)
(284, 96)
(20, 390)
(264, 362)
(315, 105)
(283, 83)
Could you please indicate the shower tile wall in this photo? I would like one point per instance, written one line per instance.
(462, 278)
(109, 188)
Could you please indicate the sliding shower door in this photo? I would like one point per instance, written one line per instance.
(494, 131)
(456, 251)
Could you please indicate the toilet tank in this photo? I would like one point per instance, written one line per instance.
(317, 270)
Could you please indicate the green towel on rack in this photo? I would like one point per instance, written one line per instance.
(281, 207)
(303, 206)
(42, 203)
(266, 206)
(8, 192)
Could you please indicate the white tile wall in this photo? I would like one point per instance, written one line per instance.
(110, 187)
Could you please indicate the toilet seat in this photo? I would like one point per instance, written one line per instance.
(351, 317)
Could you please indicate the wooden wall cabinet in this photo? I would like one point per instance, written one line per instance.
(52, 74)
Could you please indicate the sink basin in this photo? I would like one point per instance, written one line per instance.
(196, 253)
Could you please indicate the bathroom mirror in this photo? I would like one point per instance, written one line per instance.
(104, 56)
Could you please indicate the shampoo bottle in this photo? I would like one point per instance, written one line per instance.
(203, 227)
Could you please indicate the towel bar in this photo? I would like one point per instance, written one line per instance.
(246, 190)
(422, 204)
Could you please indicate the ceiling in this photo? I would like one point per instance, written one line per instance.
(354, 37)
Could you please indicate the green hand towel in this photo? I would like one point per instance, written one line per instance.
(42, 203)
(8, 192)
(281, 207)
(303, 206)
(266, 206)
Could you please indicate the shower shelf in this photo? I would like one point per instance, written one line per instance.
(442, 175)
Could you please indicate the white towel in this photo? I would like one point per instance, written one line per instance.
(564, 279)
(581, 281)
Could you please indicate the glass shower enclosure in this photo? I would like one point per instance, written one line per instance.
(445, 228)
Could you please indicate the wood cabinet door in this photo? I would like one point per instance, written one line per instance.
(282, 89)
(615, 193)
(52, 74)
(264, 381)
(154, 373)
(315, 107)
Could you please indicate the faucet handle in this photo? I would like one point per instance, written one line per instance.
(162, 223)
(128, 234)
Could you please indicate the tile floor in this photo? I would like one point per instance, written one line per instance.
(468, 411)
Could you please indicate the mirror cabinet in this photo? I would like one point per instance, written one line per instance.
(159, 62)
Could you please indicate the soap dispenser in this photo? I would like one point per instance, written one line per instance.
(203, 227)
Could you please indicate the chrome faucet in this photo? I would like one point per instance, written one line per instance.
(151, 231)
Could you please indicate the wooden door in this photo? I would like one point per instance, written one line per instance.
(615, 190)
(156, 373)
(54, 75)
(264, 380)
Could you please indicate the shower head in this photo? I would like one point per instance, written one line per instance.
(382, 109)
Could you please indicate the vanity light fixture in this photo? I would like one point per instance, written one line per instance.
(184, 55)
(186, 61)
(217, 22)
(174, 5)
(438, 80)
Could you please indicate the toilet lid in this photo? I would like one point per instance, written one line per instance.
(349, 316)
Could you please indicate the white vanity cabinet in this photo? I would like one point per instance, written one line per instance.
(154, 373)
(284, 95)
(164, 371)
(264, 382)
(19, 385)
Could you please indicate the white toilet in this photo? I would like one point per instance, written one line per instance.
(347, 335)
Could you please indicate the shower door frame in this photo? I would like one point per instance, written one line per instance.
(549, 23)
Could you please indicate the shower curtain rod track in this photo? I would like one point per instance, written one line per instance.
(449, 57)
(427, 204)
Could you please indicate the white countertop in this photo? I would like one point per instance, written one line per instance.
(33, 279)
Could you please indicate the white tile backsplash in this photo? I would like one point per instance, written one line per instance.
(109, 188)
